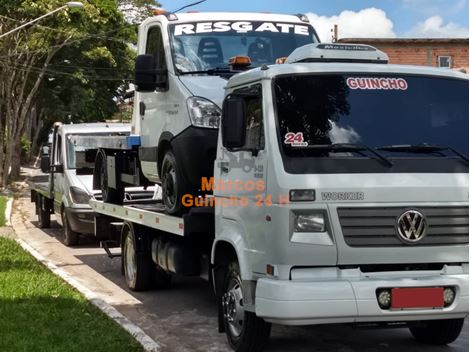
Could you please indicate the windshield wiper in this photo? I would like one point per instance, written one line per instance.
(211, 71)
(348, 147)
(422, 148)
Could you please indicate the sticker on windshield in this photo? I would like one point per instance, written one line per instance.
(295, 139)
(376, 83)
(240, 27)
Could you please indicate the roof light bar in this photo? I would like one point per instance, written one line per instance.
(353, 53)
(169, 15)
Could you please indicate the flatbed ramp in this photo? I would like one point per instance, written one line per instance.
(147, 214)
(150, 213)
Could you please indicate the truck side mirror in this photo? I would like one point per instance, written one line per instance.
(147, 77)
(234, 123)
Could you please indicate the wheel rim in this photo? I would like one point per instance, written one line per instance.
(234, 312)
(170, 187)
(130, 262)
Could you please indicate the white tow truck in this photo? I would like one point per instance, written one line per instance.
(339, 195)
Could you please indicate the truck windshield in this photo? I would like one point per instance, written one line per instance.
(210, 45)
(400, 116)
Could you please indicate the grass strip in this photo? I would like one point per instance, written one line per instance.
(41, 312)
(3, 207)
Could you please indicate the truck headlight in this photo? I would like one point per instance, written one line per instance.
(204, 113)
(309, 222)
(79, 196)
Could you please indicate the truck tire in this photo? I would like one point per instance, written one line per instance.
(245, 331)
(438, 332)
(174, 185)
(70, 236)
(44, 217)
(139, 269)
(109, 194)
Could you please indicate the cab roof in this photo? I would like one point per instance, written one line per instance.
(270, 72)
(227, 16)
(99, 127)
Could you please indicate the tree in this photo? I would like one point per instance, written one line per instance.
(66, 68)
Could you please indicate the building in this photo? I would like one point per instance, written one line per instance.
(444, 53)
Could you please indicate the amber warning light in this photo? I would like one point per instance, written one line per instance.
(238, 62)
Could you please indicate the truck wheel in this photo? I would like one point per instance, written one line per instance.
(245, 331)
(44, 217)
(70, 236)
(438, 332)
(139, 269)
(174, 185)
(109, 195)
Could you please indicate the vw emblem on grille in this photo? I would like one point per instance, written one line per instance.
(411, 226)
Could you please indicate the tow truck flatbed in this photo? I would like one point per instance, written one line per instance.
(40, 184)
(150, 213)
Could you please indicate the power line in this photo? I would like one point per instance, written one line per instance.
(53, 73)
(69, 43)
(66, 66)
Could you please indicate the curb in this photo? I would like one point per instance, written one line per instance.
(146, 341)
(8, 210)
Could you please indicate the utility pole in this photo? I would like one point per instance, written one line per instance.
(335, 34)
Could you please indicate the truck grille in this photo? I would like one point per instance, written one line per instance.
(376, 227)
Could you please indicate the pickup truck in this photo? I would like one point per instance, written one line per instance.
(69, 164)
(339, 195)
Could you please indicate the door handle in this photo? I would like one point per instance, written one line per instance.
(142, 108)
(224, 167)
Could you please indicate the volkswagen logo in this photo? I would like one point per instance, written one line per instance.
(411, 226)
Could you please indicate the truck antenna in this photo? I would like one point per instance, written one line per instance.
(190, 5)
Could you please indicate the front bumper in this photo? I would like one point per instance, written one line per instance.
(324, 296)
(81, 220)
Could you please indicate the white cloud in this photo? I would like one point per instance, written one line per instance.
(434, 27)
(367, 23)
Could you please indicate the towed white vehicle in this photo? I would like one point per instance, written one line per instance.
(184, 63)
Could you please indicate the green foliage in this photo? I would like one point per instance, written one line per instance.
(25, 147)
(82, 79)
(40, 312)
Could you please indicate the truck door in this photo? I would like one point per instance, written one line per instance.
(153, 106)
(243, 177)
(58, 173)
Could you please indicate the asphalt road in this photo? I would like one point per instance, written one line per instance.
(183, 318)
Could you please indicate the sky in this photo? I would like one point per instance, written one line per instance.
(358, 18)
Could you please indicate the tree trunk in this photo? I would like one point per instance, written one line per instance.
(15, 160)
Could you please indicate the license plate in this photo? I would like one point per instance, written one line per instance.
(417, 297)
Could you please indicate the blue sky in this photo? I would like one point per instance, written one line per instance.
(405, 14)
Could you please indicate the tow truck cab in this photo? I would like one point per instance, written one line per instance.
(353, 207)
